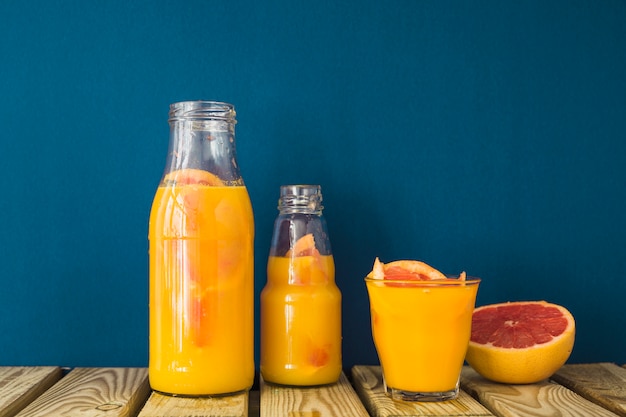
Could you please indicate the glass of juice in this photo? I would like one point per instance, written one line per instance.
(421, 329)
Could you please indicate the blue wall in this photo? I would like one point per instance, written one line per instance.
(488, 136)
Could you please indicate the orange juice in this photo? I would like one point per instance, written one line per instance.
(301, 321)
(201, 290)
(421, 330)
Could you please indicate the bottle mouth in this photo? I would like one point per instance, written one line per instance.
(300, 190)
(202, 110)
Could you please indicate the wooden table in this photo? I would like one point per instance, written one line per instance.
(580, 390)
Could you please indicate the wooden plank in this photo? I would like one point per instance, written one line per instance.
(89, 392)
(602, 383)
(159, 405)
(543, 399)
(20, 385)
(334, 400)
(369, 385)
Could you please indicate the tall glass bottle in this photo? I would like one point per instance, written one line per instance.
(201, 236)
(300, 304)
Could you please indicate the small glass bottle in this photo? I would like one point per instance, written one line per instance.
(300, 304)
(201, 236)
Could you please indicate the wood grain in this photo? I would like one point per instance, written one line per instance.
(369, 385)
(544, 399)
(91, 392)
(159, 405)
(20, 385)
(335, 400)
(601, 383)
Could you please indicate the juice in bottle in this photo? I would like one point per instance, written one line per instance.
(300, 304)
(421, 330)
(201, 235)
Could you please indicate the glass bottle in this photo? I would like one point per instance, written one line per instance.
(300, 304)
(201, 236)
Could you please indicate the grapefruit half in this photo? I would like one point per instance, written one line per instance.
(520, 342)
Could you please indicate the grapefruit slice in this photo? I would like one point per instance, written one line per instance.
(190, 176)
(201, 305)
(307, 266)
(305, 246)
(406, 271)
(520, 342)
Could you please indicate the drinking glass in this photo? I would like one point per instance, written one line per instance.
(421, 330)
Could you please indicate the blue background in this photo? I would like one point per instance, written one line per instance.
(486, 136)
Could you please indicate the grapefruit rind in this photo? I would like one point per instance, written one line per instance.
(378, 271)
(525, 365)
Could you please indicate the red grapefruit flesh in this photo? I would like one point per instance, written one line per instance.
(520, 342)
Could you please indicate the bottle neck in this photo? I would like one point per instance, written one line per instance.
(300, 227)
(301, 198)
(202, 136)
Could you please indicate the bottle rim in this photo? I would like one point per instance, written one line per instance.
(300, 190)
(202, 110)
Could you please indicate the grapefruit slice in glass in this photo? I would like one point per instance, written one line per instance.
(304, 246)
(201, 301)
(406, 270)
(307, 266)
(520, 342)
